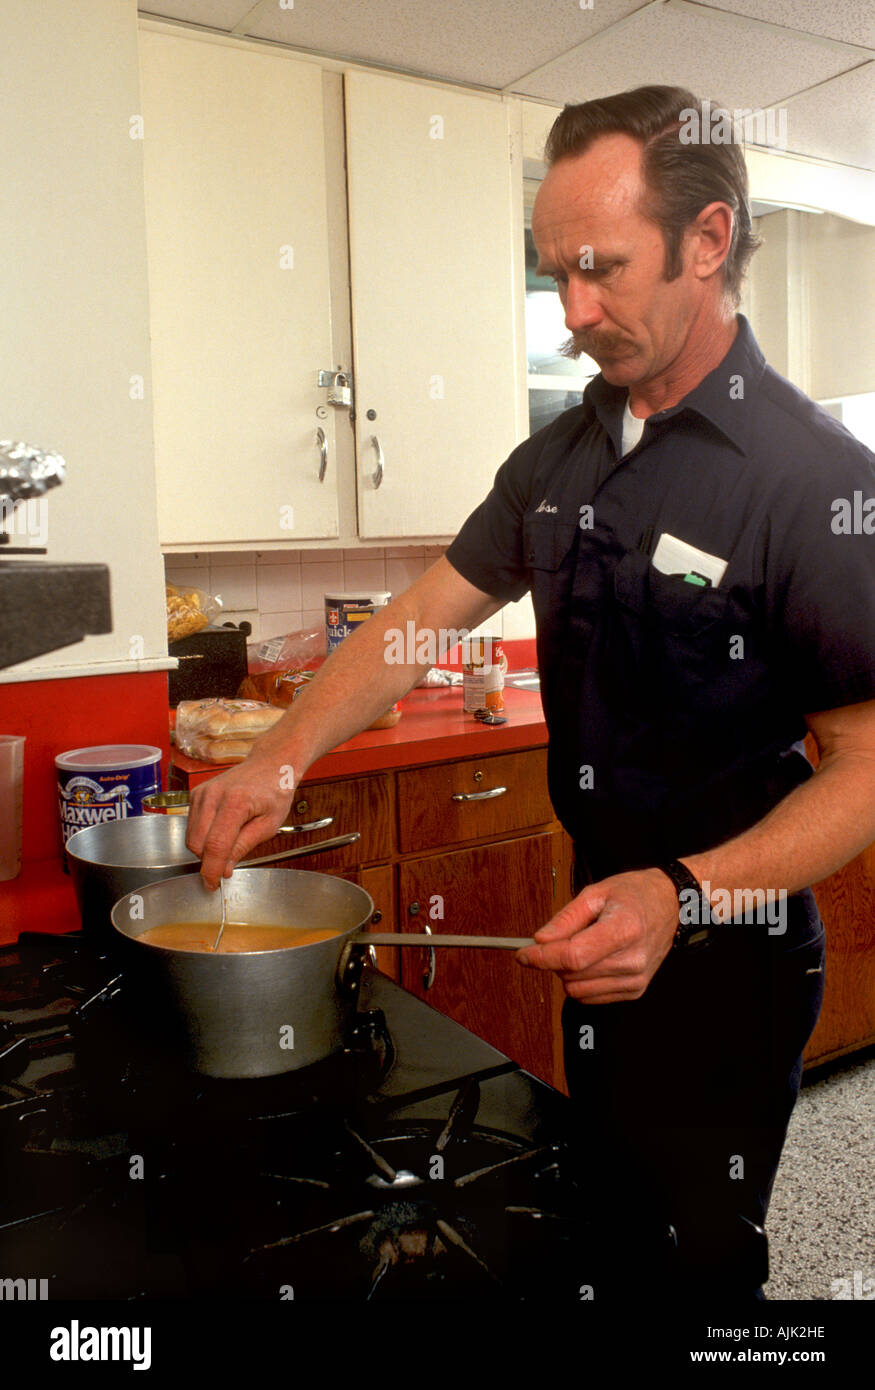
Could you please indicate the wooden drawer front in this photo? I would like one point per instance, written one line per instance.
(429, 817)
(366, 804)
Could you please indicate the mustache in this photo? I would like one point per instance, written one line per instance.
(594, 347)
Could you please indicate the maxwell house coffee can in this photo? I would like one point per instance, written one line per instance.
(107, 782)
(344, 612)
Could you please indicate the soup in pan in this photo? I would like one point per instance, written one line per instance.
(238, 936)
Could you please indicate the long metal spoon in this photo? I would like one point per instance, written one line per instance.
(222, 927)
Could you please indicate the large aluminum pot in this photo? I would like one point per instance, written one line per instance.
(253, 1013)
(110, 860)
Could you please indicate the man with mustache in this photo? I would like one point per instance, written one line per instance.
(694, 622)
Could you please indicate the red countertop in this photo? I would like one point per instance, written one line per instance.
(433, 729)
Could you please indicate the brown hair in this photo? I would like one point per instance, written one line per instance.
(680, 178)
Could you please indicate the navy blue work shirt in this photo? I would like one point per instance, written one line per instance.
(675, 710)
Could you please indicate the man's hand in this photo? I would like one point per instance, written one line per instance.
(233, 813)
(608, 942)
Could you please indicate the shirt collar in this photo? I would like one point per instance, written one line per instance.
(724, 397)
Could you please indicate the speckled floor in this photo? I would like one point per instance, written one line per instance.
(821, 1221)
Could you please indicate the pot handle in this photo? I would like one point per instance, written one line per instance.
(409, 938)
(352, 957)
(299, 850)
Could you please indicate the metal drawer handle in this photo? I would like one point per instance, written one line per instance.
(323, 451)
(479, 796)
(378, 471)
(307, 825)
(428, 973)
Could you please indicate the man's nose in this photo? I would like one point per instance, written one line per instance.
(582, 307)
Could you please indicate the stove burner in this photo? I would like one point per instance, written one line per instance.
(358, 1178)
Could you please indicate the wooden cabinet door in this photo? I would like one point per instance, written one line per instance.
(846, 901)
(504, 889)
(434, 297)
(239, 289)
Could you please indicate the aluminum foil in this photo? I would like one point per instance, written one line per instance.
(26, 471)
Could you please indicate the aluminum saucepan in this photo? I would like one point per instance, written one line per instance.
(244, 1013)
(256, 1013)
(109, 860)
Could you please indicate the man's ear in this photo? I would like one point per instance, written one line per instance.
(710, 237)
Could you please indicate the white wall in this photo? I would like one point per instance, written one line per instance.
(811, 300)
(74, 291)
(841, 275)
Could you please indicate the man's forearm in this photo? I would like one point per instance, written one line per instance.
(810, 834)
(363, 678)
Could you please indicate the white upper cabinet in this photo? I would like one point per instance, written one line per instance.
(434, 227)
(239, 288)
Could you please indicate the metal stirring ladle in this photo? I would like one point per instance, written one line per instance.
(222, 926)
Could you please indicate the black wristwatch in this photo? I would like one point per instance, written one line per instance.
(694, 909)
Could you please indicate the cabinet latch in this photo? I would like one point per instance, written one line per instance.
(339, 386)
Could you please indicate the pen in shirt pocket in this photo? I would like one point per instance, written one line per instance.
(645, 540)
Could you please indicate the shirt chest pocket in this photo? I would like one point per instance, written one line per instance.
(547, 541)
(684, 643)
(667, 602)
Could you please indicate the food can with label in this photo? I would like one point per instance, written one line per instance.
(107, 782)
(483, 668)
(345, 612)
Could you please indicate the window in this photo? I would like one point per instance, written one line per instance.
(857, 414)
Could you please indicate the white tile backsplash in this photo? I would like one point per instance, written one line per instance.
(279, 587)
(319, 577)
(276, 624)
(518, 619)
(366, 574)
(284, 590)
(281, 557)
(189, 577)
(400, 574)
(235, 584)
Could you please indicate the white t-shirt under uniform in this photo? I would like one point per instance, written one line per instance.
(633, 428)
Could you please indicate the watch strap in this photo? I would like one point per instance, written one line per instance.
(694, 910)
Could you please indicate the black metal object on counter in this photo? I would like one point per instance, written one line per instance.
(43, 606)
(211, 662)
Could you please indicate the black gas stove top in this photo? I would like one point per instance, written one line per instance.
(417, 1163)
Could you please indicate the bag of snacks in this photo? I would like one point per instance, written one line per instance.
(189, 610)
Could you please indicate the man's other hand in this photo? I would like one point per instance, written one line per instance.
(608, 942)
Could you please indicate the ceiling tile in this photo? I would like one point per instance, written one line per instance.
(850, 20)
(711, 56)
(215, 14)
(490, 42)
(837, 121)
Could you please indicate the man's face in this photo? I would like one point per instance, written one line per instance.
(622, 312)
